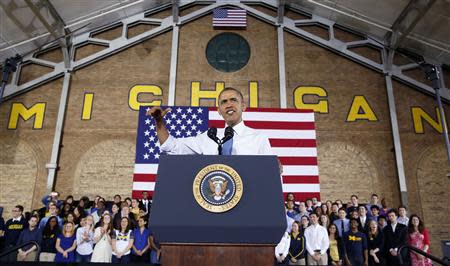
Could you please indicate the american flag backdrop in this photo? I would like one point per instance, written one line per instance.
(291, 134)
(229, 17)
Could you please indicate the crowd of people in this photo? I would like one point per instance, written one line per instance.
(118, 231)
(332, 233)
(82, 231)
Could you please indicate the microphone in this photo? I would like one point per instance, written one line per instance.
(229, 134)
(212, 134)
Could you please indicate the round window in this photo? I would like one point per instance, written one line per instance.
(228, 52)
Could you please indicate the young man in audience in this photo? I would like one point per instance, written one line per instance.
(353, 205)
(290, 209)
(395, 235)
(53, 211)
(375, 212)
(301, 211)
(309, 206)
(334, 212)
(342, 224)
(317, 242)
(31, 233)
(124, 212)
(13, 228)
(356, 252)
(373, 202)
(402, 215)
(52, 197)
(363, 219)
(145, 204)
(315, 202)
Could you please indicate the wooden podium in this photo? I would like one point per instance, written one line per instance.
(217, 254)
(191, 234)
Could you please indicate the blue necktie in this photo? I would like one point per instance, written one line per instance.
(227, 147)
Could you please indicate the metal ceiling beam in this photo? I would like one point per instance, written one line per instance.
(55, 28)
(166, 24)
(406, 21)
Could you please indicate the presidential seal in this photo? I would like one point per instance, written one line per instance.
(217, 188)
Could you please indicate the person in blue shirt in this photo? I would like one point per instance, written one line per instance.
(356, 253)
(141, 244)
(53, 211)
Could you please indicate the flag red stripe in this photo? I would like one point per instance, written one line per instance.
(303, 196)
(293, 143)
(144, 178)
(298, 160)
(137, 194)
(296, 179)
(268, 125)
(272, 110)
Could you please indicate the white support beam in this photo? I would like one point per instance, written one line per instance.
(281, 67)
(53, 164)
(173, 65)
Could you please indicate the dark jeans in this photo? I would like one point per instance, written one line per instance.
(144, 258)
(83, 258)
(124, 259)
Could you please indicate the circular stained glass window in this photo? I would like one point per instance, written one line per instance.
(228, 52)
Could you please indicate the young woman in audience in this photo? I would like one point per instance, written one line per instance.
(65, 210)
(79, 214)
(122, 241)
(324, 208)
(66, 243)
(134, 209)
(297, 248)
(375, 243)
(324, 220)
(305, 222)
(329, 203)
(141, 244)
(128, 201)
(418, 238)
(102, 239)
(85, 240)
(48, 242)
(336, 250)
(114, 210)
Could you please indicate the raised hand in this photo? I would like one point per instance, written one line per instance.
(158, 113)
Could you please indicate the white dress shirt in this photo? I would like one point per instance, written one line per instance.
(246, 141)
(316, 237)
(283, 246)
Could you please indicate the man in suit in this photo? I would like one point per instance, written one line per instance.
(363, 219)
(395, 235)
(342, 224)
(145, 204)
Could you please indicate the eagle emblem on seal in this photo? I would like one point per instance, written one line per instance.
(218, 186)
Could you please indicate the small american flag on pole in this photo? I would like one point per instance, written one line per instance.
(291, 133)
(229, 17)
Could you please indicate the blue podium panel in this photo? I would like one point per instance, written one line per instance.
(257, 218)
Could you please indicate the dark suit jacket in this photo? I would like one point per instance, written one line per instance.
(397, 239)
(364, 228)
(145, 207)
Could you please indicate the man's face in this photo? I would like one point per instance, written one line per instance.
(402, 212)
(144, 195)
(354, 200)
(16, 213)
(342, 214)
(375, 212)
(362, 211)
(52, 210)
(354, 224)
(392, 217)
(374, 200)
(231, 107)
(314, 219)
(314, 201)
(117, 199)
(290, 205)
(334, 208)
(302, 206)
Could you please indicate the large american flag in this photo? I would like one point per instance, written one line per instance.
(229, 17)
(291, 133)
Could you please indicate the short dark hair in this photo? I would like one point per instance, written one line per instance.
(334, 203)
(354, 219)
(342, 209)
(232, 89)
(374, 195)
(354, 196)
(402, 206)
(374, 207)
(393, 211)
(20, 207)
